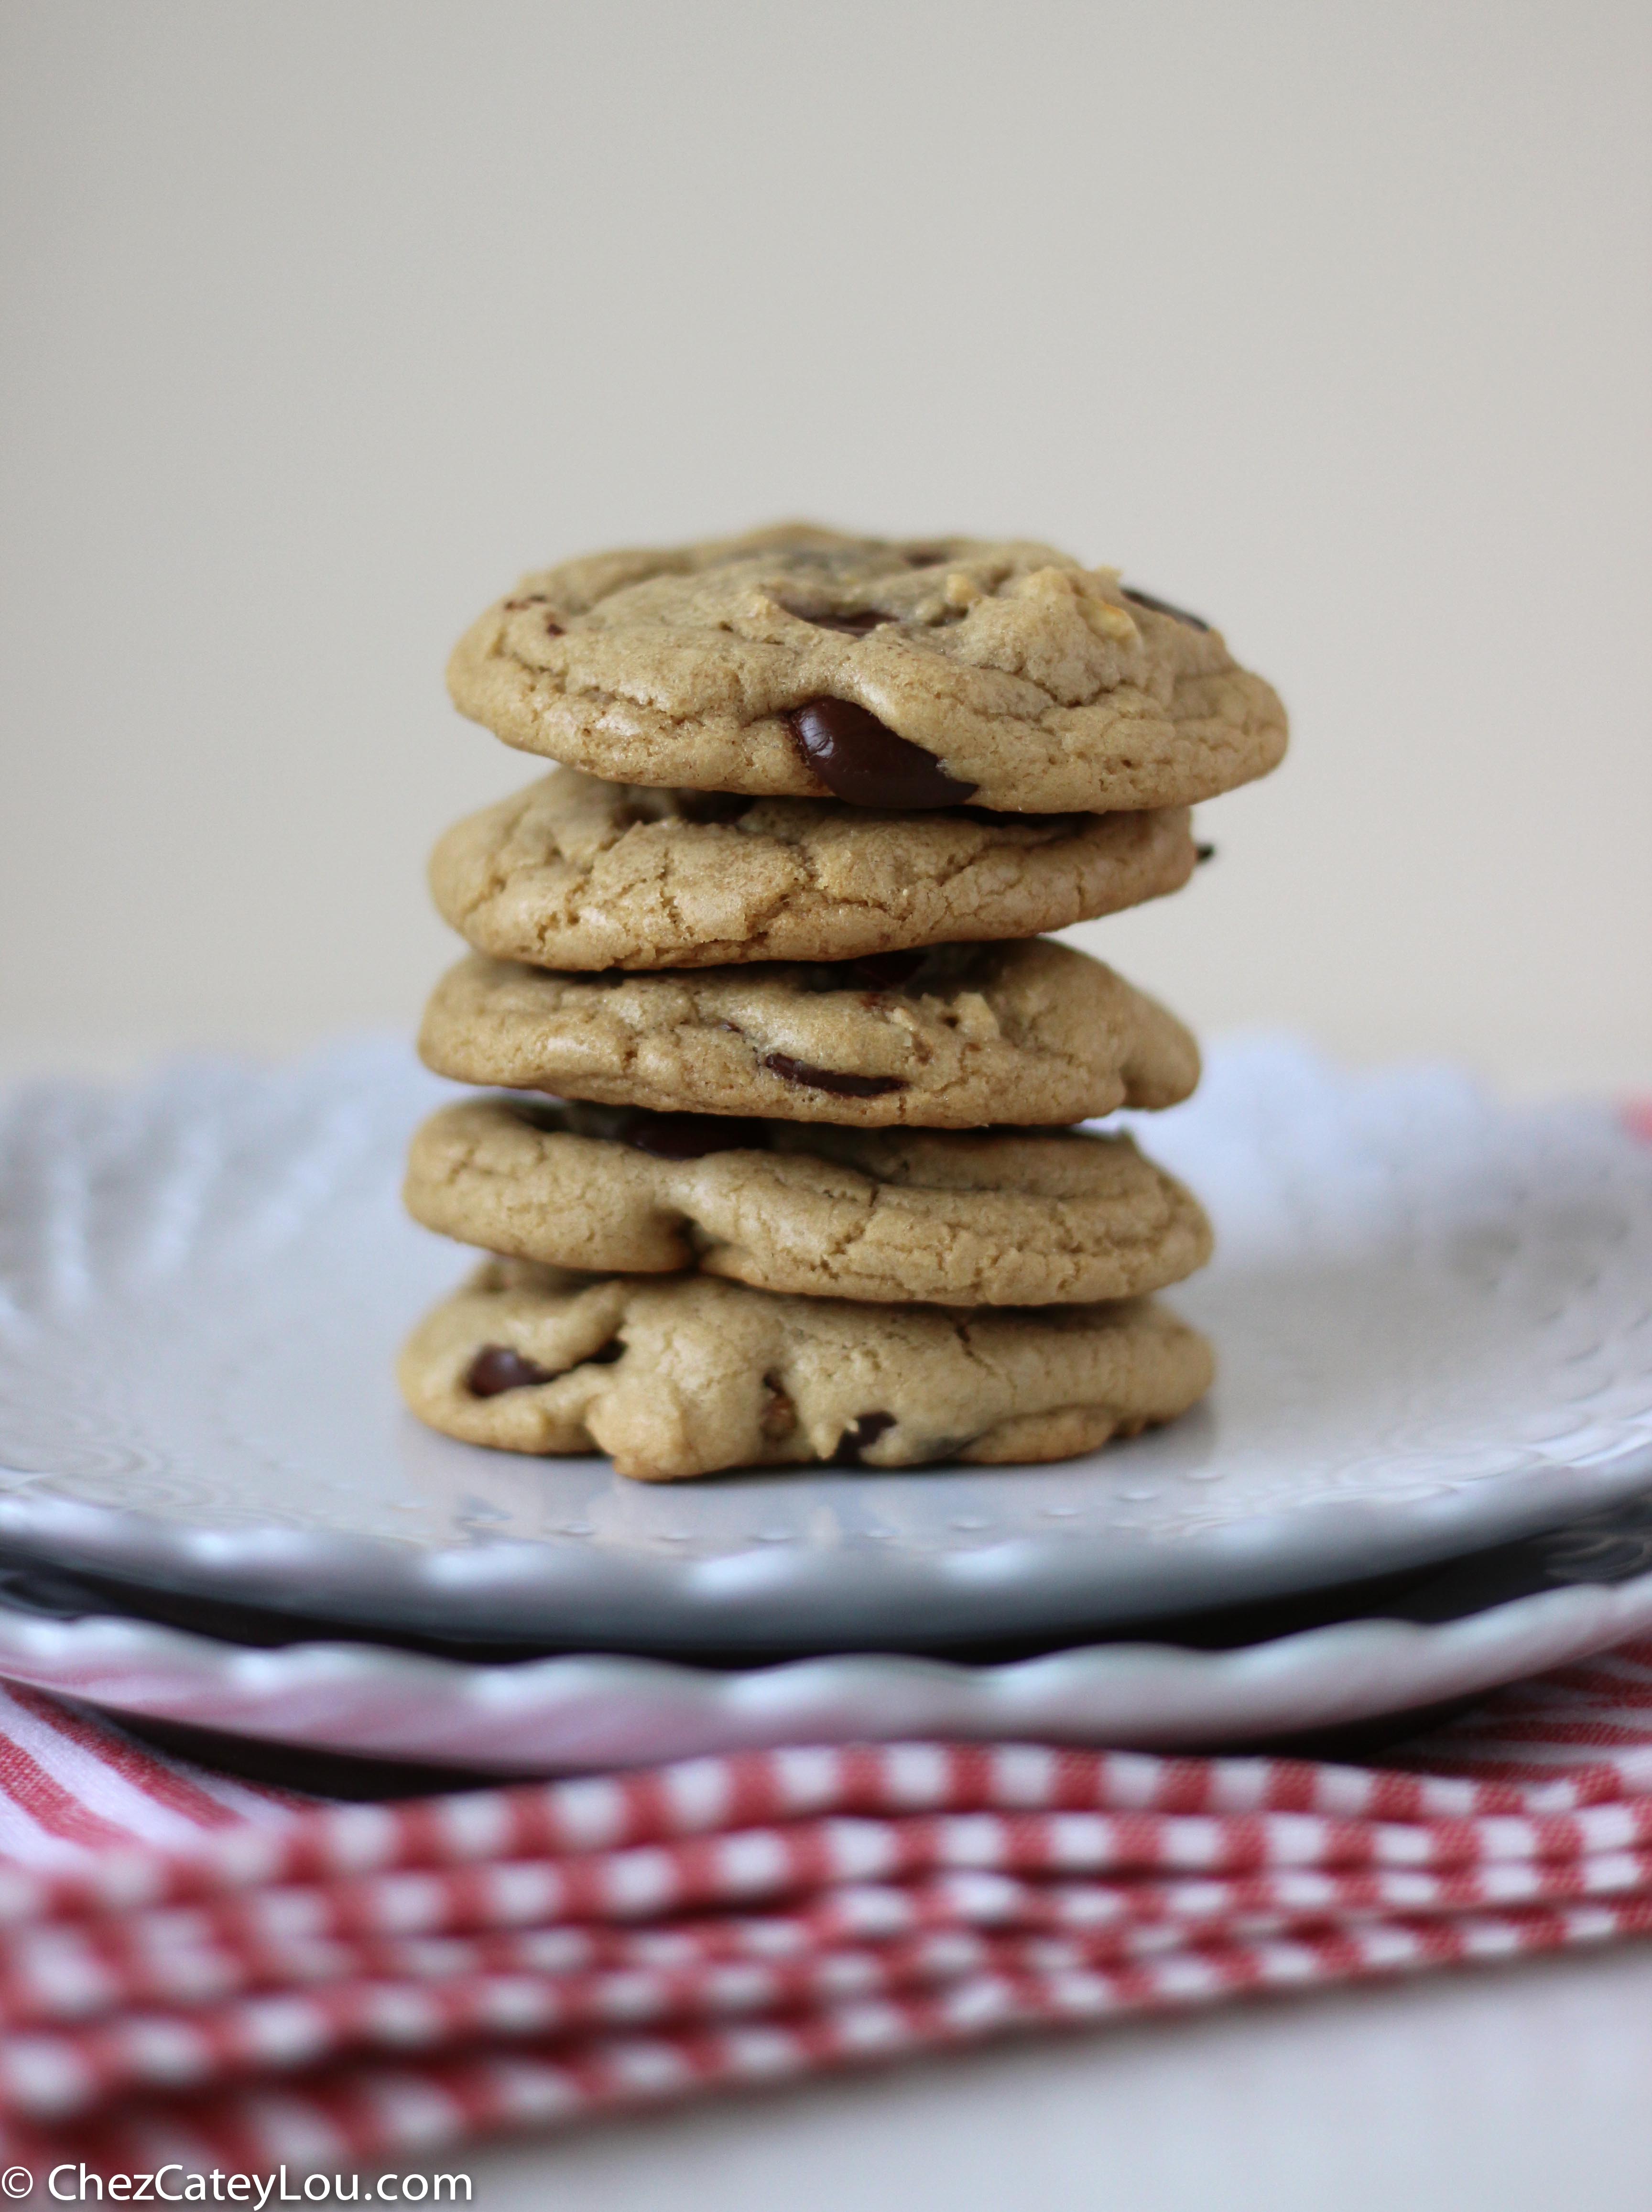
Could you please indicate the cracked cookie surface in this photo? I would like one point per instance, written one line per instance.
(1003, 674)
(960, 1038)
(574, 873)
(997, 1217)
(689, 1375)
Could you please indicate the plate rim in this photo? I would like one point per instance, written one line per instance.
(412, 1589)
(605, 1709)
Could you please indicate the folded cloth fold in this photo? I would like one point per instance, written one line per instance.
(197, 1972)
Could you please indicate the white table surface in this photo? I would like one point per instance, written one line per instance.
(1523, 2088)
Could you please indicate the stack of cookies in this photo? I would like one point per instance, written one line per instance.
(783, 1167)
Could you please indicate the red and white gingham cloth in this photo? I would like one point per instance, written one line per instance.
(194, 1969)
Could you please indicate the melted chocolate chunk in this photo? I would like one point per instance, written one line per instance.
(1203, 853)
(831, 1079)
(691, 1136)
(713, 805)
(862, 761)
(496, 1368)
(1164, 607)
(864, 1430)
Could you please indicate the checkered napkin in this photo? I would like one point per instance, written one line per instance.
(197, 1971)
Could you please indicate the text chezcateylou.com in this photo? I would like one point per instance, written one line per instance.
(74, 2183)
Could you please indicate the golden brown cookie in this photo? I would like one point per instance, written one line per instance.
(995, 1218)
(892, 674)
(961, 1036)
(574, 873)
(686, 1374)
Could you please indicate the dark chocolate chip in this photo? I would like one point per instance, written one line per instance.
(496, 1368)
(553, 627)
(831, 1079)
(862, 761)
(691, 1136)
(713, 805)
(1203, 853)
(1164, 607)
(863, 1430)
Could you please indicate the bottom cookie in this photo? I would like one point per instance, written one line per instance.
(691, 1375)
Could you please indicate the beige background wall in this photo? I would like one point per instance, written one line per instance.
(323, 318)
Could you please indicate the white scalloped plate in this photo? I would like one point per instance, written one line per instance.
(1434, 1316)
(562, 1714)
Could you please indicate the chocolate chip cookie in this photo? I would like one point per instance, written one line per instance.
(888, 673)
(993, 1218)
(574, 873)
(960, 1036)
(688, 1375)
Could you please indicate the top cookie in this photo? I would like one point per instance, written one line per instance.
(802, 662)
